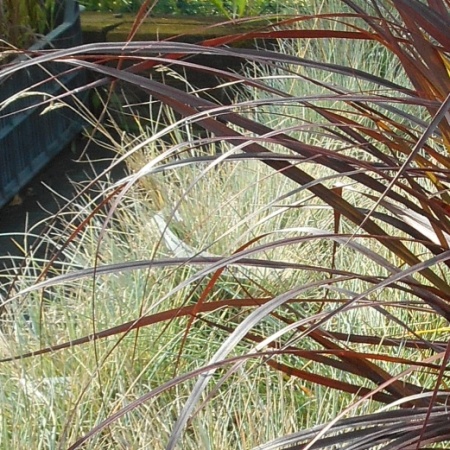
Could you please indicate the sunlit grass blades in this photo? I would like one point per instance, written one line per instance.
(317, 202)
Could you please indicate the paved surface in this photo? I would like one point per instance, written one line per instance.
(37, 201)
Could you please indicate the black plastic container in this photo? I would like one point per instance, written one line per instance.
(31, 137)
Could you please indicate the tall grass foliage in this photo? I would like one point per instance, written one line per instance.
(273, 273)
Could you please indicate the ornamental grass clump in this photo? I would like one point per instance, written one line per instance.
(273, 272)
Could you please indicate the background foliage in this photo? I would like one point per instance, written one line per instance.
(22, 20)
(227, 8)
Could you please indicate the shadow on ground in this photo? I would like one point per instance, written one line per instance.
(45, 195)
